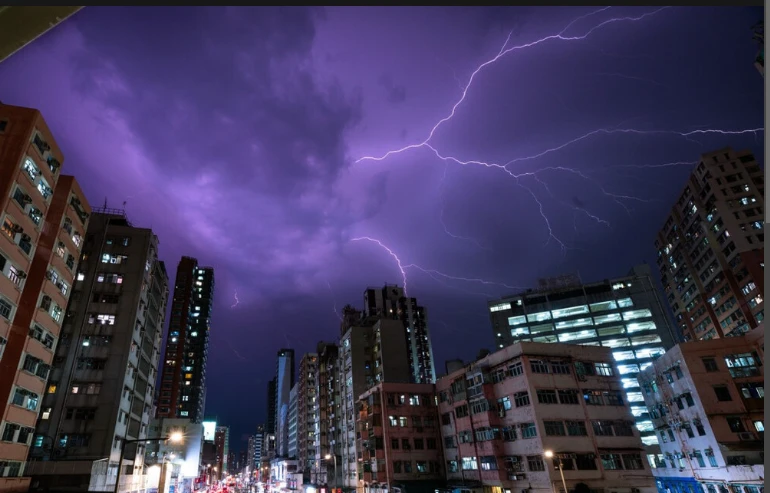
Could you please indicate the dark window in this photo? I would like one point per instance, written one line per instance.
(722, 393)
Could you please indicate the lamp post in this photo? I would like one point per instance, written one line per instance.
(334, 457)
(550, 455)
(174, 437)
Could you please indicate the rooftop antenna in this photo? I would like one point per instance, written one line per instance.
(124, 206)
(105, 202)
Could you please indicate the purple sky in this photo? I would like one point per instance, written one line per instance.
(234, 134)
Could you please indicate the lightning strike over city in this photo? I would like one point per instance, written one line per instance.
(247, 185)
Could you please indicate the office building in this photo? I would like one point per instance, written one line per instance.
(44, 220)
(521, 417)
(368, 355)
(292, 418)
(22, 24)
(707, 401)
(390, 301)
(308, 428)
(183, 381)
(327, 409)
(284, 381)
(400, 438)
(711, 248)
(624, 314)
(101, 386)
(222, 444)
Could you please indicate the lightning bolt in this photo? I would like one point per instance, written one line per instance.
(235, 294)
(620, 199)
(431, 272)
(390, 252)
(504, 51)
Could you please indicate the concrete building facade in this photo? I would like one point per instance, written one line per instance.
(625, 314)
(292, 419)
(707, 402)
(400, 438)
(514, 418)
(327, 408)
(102, 385)
(392, 302)
(307, 414)
(183, 378)
(368, 355)
(44, 220)
(711, 248)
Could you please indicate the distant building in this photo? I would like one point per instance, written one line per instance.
(292, 419)
(625, 314)
(22, 24)
(44, 221)
(255, 448)
(102, 385)
(517, 419)
(400, 438)
(183, 379)
(284, 381)
(707, 402)
(222, 444)
(711, 248)
(391, 302)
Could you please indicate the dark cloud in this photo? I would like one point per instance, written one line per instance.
(394, 93)
(234, 133)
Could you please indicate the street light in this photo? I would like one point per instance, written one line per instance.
(549, 455)
(175, 437)
(330, 456)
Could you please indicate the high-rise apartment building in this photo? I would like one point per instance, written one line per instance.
(101, 387)
(624, 314)
(368, 355)
(307, 413)
(284, 381)
(541, 418)
(711, 248)
(391, 302)
(183, 381)
(268, 441)
(44, 219)
(327, 409)
(707, 400)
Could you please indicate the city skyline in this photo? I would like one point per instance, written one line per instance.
(284, 272)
